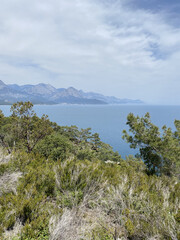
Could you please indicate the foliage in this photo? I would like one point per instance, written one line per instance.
(54, 146)
(24, 129)
(160, 151)
(73, 186)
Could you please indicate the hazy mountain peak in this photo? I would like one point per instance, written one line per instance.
(73, 92)
(39, 89)
(2, 84)
(46, 93)
(47, 85)
(72, 88)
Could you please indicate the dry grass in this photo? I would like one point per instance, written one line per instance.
(8, 182)
(9, 235)
(4, 156)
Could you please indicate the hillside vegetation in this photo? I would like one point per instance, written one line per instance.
(62, 183)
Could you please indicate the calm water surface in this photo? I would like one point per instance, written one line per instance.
(108, 121)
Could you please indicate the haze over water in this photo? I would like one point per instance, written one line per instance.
(109, 121)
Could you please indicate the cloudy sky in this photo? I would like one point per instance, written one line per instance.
(125, 48)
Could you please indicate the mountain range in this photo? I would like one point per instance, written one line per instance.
(47, 94)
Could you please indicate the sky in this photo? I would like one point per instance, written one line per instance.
(123, 48)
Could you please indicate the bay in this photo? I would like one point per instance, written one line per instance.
(107, 120)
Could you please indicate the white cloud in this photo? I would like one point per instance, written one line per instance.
(108, 48)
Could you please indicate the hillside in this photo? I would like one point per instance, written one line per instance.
(47, 94)
(62, 183)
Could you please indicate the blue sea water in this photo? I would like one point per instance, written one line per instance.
(108, 120)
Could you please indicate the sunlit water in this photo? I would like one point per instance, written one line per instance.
(107, 120)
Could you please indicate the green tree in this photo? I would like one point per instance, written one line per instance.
(1, 116)
(71, 132)
(96, 141)
(85, 134)
(54, 146)
(27, 128)
(159, 150)
(5, 135)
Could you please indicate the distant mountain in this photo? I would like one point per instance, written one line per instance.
(12, 93)
(35, 90)
(9, 95)
(110, 100)
(47, 94)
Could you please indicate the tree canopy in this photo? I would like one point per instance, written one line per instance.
(160, 150)
(24, 128)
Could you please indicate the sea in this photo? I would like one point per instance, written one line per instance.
(107, 120)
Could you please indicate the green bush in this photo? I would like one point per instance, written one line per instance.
(3, 168)
(54, 146)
